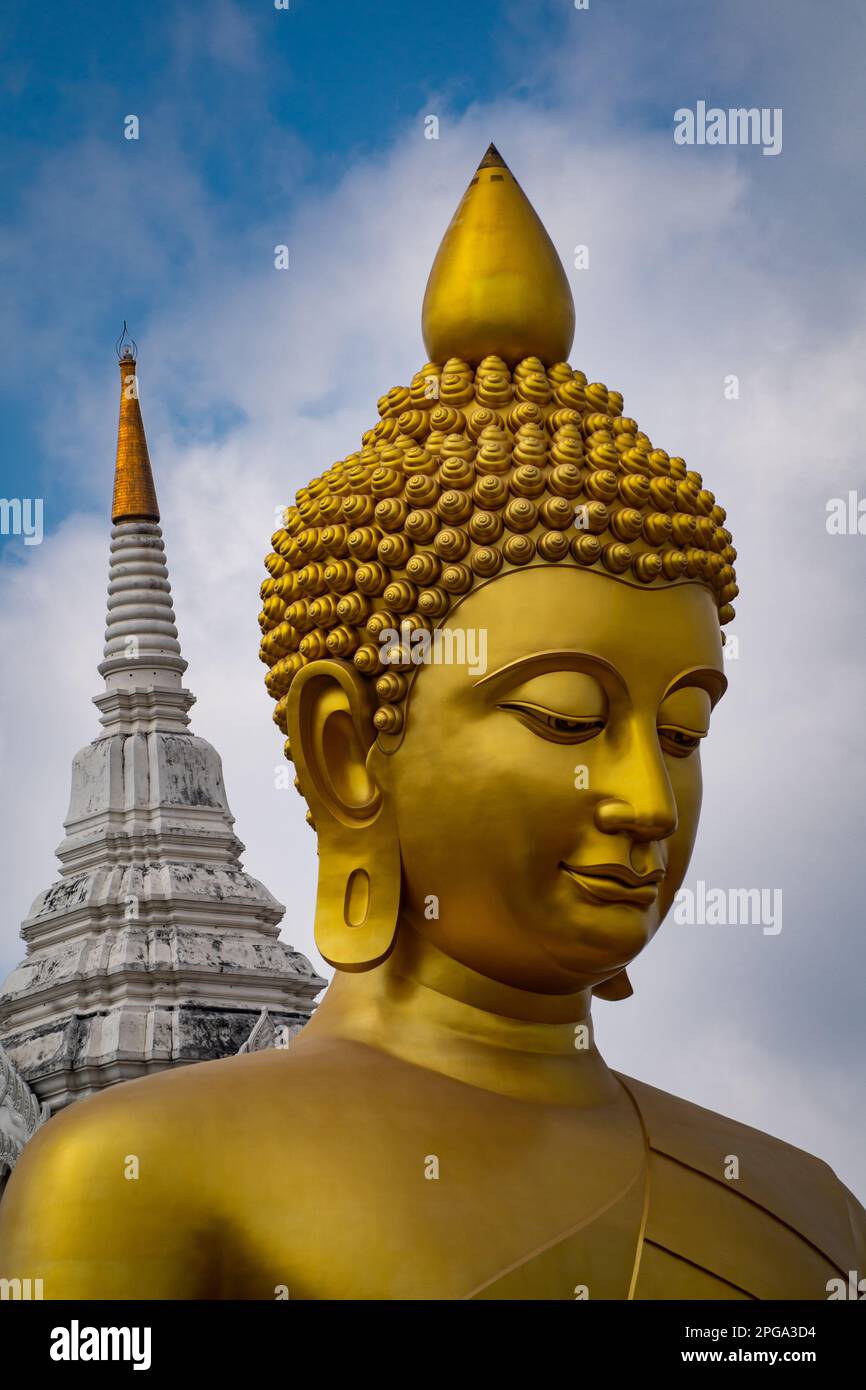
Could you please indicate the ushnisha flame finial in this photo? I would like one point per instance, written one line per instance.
(497, 286)
(134, 491)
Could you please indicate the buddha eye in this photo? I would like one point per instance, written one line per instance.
(556, 727)
(680, 743)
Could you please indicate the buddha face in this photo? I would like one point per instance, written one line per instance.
(546, 808)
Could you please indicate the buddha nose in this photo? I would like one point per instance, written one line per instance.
(648, 810)
(615, 816)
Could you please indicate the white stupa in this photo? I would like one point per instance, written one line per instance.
(153, 948)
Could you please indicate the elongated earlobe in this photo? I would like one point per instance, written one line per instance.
(358, 898)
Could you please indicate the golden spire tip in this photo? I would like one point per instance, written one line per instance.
(134, 492)
(492, 159)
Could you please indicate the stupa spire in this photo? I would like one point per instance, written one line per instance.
(497, 286)
(154, 947)
(141, 650)
(134, 491)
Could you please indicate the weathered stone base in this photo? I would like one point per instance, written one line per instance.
(85, 1012)
(70, 1060)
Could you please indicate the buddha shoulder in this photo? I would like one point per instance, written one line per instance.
(757, 1214)
(130, 1193)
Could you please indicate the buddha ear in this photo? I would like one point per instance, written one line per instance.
(617, 987)
(331, 732)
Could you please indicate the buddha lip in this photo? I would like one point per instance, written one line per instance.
(623, 873)
(610, 883)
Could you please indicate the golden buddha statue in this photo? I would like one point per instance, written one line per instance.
(498, 839)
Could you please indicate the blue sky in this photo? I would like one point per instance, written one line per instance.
(264, 104)
(261, 127)
(263, 107)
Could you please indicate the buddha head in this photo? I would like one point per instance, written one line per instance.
(494, 636)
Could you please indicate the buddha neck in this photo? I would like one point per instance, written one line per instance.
(433, 1012)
